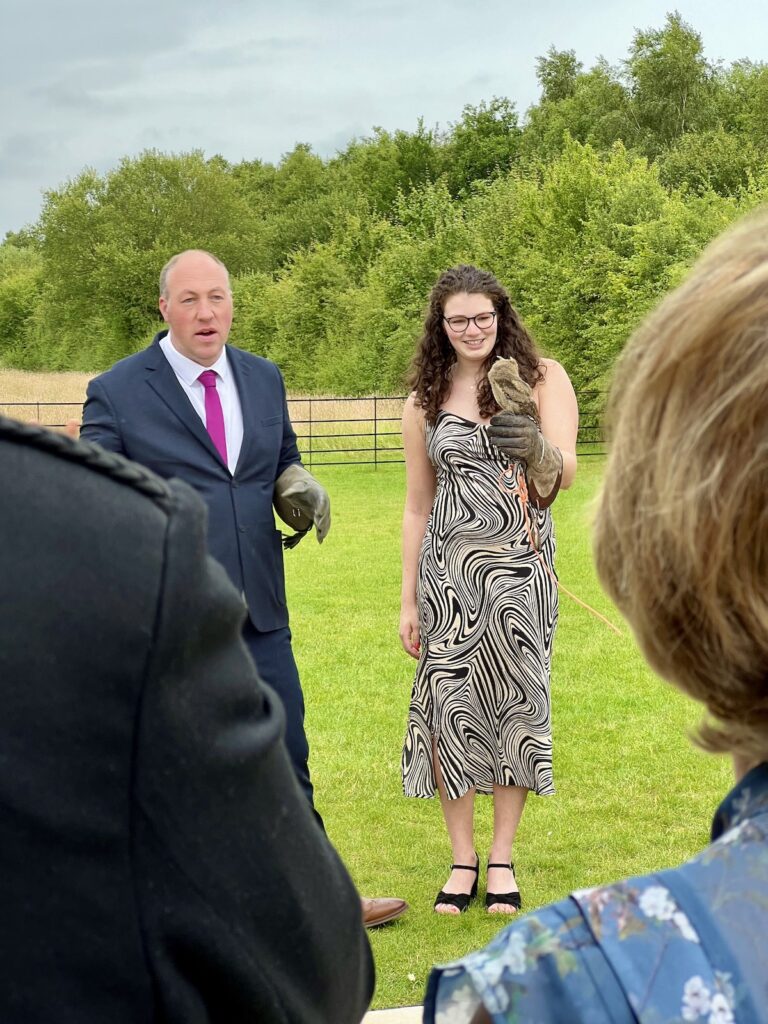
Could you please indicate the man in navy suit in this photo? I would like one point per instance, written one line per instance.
(229, 436)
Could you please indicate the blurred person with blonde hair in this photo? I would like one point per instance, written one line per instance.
(681, 544)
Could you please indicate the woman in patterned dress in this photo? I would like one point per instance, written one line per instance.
(479, 596)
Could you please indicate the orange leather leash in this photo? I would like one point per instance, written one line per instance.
(512, 481)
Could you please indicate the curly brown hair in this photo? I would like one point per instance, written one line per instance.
(430, 371)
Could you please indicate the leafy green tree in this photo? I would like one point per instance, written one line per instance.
(430, 234)
(558, 73)
(255, 181)
(588, 213)
(304, 205)
(381, 167)
(418, 156)
(251, 328)
(343, 315)
(588, 247)
(594, 111)
(671, 84)
(742, 101)
(370, 168)
(482, 145)
(20, 287)
(103, 242)
(24, 238)
(714, 160)
(291, 323)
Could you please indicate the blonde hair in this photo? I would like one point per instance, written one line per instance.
(681, 539)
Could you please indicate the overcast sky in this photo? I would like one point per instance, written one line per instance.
(87, 82)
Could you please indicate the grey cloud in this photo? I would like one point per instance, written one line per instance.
(264, 52)
(380, 11)
(484, 81)
(68, 98)
(71, 30)
(48, 39)
(24, 155)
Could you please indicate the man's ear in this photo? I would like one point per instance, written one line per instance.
(163, 304)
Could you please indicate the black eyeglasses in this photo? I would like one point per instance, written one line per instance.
(459, 324)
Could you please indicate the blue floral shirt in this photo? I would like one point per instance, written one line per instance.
(689, 944)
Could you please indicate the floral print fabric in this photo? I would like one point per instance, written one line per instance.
(690, 944)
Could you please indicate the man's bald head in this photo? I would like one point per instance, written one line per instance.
(181, 256)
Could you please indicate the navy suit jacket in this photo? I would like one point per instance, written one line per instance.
(139, 409)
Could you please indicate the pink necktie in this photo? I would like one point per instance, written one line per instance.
(214, 416)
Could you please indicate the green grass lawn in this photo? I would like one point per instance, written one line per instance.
(633, 794)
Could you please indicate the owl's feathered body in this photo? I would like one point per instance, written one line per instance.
(510, 390)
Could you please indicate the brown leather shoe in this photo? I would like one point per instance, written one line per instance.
(381, 911)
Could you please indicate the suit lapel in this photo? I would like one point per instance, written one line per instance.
(163, 382)
(241, 372)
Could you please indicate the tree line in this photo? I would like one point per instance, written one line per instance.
(588, 208)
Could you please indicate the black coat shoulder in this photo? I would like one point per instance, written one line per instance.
(46, 444)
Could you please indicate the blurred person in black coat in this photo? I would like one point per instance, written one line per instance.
(158, 861)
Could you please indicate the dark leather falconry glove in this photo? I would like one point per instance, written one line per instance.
(301, 501)
(516, 431)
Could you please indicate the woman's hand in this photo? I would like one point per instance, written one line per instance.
(409, 630)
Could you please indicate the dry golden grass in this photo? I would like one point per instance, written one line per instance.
(22, 386)
(47, 398)
(324, 425)
(319, 409)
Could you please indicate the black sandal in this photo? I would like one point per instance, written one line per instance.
(507, 899)
(460, 899)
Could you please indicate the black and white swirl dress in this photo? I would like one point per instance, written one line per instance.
(487, 611)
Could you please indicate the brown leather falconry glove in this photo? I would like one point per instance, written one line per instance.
(516, 431)
(301, 501)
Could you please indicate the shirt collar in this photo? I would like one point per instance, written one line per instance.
(187, 368)
(748, 798)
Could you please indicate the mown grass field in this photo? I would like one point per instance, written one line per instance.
(632, 793)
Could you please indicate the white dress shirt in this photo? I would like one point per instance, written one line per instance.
(187, 372)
